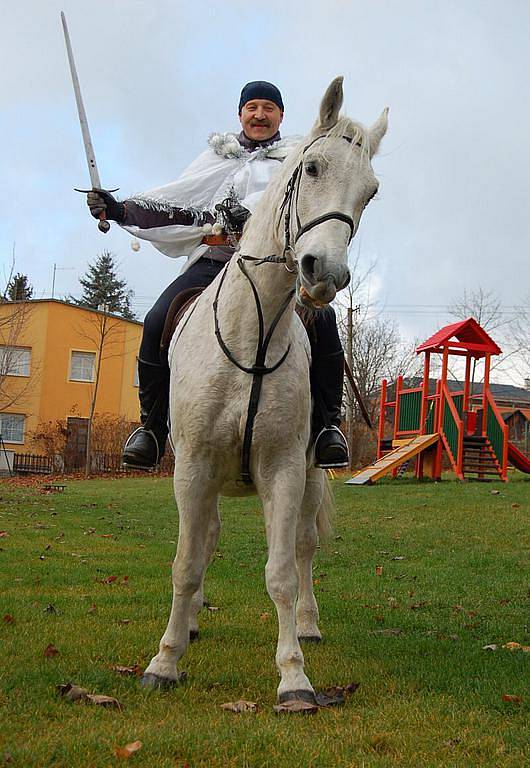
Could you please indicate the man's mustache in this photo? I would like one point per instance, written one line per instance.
(255, 121)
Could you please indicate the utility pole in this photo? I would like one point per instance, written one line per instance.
(350, 413)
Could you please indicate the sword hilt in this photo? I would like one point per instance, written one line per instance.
(103, 224)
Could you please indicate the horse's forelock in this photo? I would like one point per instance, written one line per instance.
(355, 131)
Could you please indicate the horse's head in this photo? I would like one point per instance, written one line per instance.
(331, 186)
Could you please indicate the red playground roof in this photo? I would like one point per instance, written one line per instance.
(464, 336)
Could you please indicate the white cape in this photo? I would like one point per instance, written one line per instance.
(224, 170)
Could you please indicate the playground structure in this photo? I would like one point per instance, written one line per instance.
(468, 428)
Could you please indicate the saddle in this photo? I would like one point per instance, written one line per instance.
(182, 301)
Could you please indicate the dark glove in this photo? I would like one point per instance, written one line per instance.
(235, 215)
(99, 200)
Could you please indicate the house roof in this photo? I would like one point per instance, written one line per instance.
(509, 394)
(76, 306)
(466, 335)
(506, 413)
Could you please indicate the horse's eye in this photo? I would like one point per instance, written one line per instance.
(311, 169)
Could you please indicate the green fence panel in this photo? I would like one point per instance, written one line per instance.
(450, 428)
(409, 411)
(495, 434)
(458, 400)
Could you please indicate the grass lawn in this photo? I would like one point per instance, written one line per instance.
(454, 578)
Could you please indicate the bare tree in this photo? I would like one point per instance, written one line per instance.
(105, 333)
(487, 309)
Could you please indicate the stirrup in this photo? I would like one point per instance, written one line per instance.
(128, 465)
(332, 464)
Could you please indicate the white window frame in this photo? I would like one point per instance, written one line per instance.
(83, 355)
(7, 438)
(18, 360)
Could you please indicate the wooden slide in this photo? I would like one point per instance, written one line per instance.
(407, 450)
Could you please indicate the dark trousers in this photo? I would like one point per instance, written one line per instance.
(327, 366)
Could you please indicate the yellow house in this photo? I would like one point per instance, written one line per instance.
(51, 353)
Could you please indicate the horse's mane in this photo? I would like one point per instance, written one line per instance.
(266, 214)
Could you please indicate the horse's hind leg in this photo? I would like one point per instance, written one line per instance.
(306, 541)
(195, 513)
(197, 600)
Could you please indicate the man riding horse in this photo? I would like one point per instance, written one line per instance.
(201, 216)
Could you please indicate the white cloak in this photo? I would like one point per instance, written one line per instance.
(224, 170)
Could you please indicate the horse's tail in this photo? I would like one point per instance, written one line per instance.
(325, 511)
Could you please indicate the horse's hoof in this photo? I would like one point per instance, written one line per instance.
(300, 695)
(155, 682)
(194, 635)
(310, 639)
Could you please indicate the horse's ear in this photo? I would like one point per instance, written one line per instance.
(331, 104)
(377, 131)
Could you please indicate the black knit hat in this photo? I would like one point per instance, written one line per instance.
(260, 89)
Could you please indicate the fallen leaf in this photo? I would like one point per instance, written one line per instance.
(264, 616)
(107, 535)
(512, 646)
(124, 621)
(515, 506)
(303, 707)
(3, 534)
(50, 651)
(108, 580)
(491, 647)
(525, 648)
(103, 701)
(494, 493)
(240, 706)
(72, 692)
(93, 608)
(129, 749)
(136, 671)
(418, 606)
(9, 619)
(511, 698)
(399, 557)
(213, 608)
(378, 570)
(50, 609)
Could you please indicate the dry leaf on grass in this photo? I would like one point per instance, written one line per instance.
(240, 706)
(73, 692)
(378, 570)
(129, 749)
(303, 707)
(491, 647)
(512, 698)
(512, 646)
(8, 619)
(3, 534)
(135, 671)
(50, 651)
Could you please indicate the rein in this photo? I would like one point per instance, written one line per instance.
(260, 369)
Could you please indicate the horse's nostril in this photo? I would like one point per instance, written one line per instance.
(308, 266)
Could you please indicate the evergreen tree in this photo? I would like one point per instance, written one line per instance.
(103, 288)
(19, 288)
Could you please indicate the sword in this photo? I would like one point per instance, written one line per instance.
(103, 224)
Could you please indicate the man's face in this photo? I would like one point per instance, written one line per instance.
(260, 119)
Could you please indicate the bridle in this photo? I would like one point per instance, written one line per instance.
(259, 369)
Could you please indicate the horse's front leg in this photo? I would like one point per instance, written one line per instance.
(196, 510)
(282, 494)
(306, 542)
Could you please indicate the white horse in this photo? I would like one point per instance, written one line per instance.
(295, 246)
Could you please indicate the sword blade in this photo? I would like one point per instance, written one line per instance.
(87, 141)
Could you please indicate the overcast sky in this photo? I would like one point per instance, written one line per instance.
(159, 75)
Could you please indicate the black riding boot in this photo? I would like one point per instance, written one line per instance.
(146, 445)
(331, 448)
